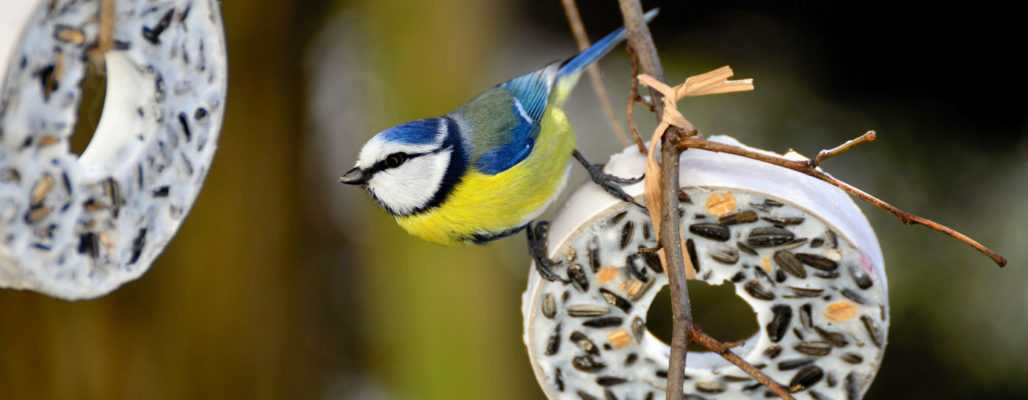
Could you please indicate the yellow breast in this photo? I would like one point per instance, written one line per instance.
(489, 204)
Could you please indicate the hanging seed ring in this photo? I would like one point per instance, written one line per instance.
(79, 226)
(797, 250)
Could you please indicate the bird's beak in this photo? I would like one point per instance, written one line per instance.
(355, 176)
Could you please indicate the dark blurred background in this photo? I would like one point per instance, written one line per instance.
(283, 284)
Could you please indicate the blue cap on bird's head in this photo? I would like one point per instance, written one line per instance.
(410, 167)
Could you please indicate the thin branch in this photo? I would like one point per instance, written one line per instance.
(633, 97)
(725, 351)
(807, 168)
(578, 29)
(105, 38)
(870, 136)
(640, 40)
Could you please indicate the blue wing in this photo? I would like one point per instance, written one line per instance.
(517, 106)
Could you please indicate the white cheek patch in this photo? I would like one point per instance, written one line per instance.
(412, 185)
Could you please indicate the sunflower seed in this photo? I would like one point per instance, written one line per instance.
(757, 290)
(860, 277)
(587, 310)
(594, 253)
(818, 262)
(779, 325)
(807, 377)
(631, 359)
(872, 330)
(585, 396)
(746, 249)
(833, 241)
(690, 247)
(587, 364)
(710, 231)
(853, 386)
(835, 338)
(610, 380)
(549, 306)
(636, 289)
(805, 292)
(627, 234)
(604, 322)
(618, 217)
(769, 236)
(725, 255)
(738, 277)
(653, 261)
(852, 358)
(741, 217)
(794, 363)
(784, 220)
(806, 317)
(711, 387)
(856, 297)
(615, 300)
(812, 348)
(773, 351)
(827, 275)
(733, 378)
(558, 378)
(578, 279)
(553, 343)
(789, 262)
(583, 342)
(633, 268)
(638, 328)
(817, 242)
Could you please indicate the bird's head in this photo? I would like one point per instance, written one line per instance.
(412, 167)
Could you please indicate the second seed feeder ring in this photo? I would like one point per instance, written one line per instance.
(79, 226)
(797, 250)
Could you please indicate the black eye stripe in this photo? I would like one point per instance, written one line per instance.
(382, 165)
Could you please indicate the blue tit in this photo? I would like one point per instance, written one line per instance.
(490, 168)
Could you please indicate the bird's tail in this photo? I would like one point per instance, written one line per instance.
(571, 69)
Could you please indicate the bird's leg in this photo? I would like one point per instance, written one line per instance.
(610, 183)
(537, 233)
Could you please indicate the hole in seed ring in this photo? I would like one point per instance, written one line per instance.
(716, 309)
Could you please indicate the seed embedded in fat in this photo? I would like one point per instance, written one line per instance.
(606, 274)
(720, 203)
(619, 338)
(841, 311)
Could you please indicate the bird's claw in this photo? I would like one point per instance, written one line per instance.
(537, 234)
(610, 183)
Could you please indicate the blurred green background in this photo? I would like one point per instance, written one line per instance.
(283, 284)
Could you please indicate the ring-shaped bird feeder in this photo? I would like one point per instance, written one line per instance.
(796, 249)
(78, 226)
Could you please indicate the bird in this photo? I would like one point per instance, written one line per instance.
(490, 168)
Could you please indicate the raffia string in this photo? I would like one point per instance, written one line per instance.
(708, 83)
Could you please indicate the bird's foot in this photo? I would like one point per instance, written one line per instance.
(610, 183)
(537, 233)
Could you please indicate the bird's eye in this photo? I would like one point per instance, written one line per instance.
(394, 160)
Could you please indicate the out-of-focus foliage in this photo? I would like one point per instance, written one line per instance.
(283, 284)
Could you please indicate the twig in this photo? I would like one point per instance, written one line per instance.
(870, 136)
(105, 37)
(578, 29)
(807, 167)
(633, 97)
(670, 225)
(725, 351)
